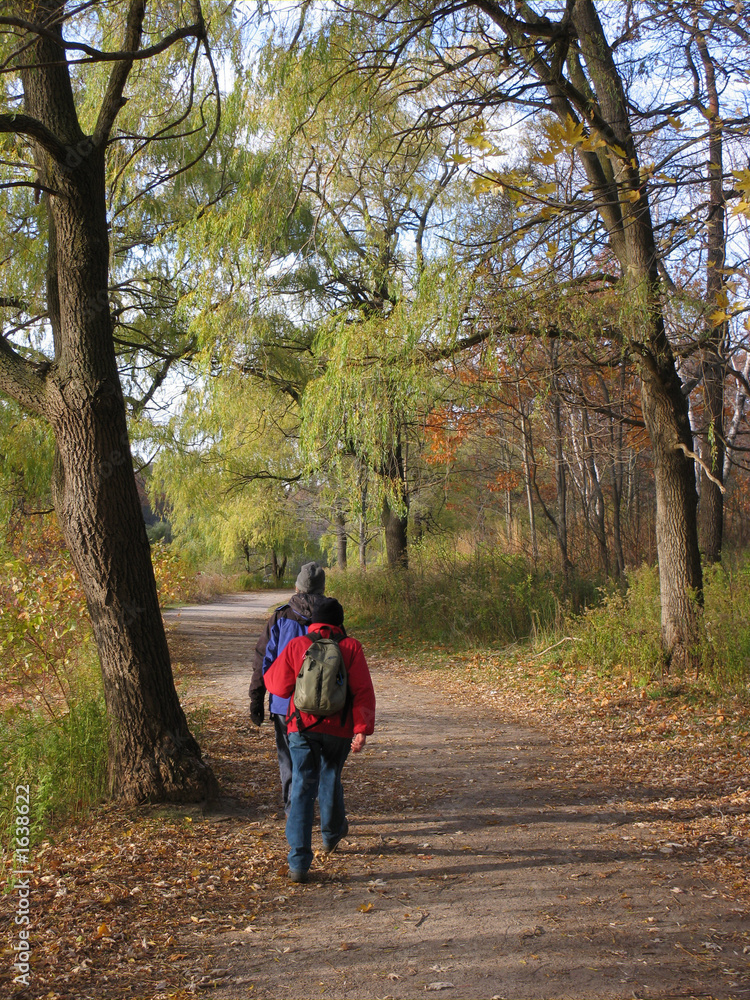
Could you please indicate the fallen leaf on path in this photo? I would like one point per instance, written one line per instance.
(365, 907)
(440, 986)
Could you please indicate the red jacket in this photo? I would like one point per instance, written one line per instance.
(281, 677)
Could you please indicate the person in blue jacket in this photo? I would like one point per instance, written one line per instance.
(286, 623)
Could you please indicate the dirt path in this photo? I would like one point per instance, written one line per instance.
(470, 871)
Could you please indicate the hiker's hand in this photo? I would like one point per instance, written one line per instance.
(358, 743)
(257, 713)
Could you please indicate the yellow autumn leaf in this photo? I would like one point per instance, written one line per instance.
(365, 907)
(483, 184)
(481, 143)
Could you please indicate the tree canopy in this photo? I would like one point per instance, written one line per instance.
(382, 272)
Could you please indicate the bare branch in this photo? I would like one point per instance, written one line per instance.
(98, 55)
(696, 458)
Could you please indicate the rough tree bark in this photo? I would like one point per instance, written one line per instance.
(279, 565)
(153, 755)
(395, 528)
(395, 524)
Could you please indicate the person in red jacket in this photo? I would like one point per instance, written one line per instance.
(319, 747)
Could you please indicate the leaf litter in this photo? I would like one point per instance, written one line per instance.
(130, 903)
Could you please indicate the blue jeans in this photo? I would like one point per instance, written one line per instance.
(285, 760)
(317, 762)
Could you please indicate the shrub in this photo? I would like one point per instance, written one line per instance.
(159, 531)
(43, 622)
(175, 580)
(624, 630)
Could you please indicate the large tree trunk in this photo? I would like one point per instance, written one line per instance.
(395, 527)
(279, 565)
(394, 524)
(680, 574)
(711, 495)
(153, 755)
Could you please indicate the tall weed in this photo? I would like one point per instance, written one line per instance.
(62, 757)
(464, 601)
(53, 725)
(725, 658)
(623, 631)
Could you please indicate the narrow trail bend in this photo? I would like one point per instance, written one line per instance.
(470, 870)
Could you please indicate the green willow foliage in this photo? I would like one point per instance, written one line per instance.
(322, 283)
(26, 454)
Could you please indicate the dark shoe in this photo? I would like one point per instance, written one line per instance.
(295, 876)
(330, 848)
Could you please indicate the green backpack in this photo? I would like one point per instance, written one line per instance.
(321, 687)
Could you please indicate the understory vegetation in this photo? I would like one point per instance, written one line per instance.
(54, 731)
(495, 609)
(502, 606)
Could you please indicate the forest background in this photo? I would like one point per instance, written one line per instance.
(452, 297)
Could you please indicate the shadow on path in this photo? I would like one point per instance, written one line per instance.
(470, 870)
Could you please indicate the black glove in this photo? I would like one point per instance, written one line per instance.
(257, 712)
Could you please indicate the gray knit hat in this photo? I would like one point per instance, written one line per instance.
(311, 579)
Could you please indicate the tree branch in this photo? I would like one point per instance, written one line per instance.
(34, 129)
(696, 458)
(97, 55)
(23, 380)
(113, 98)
